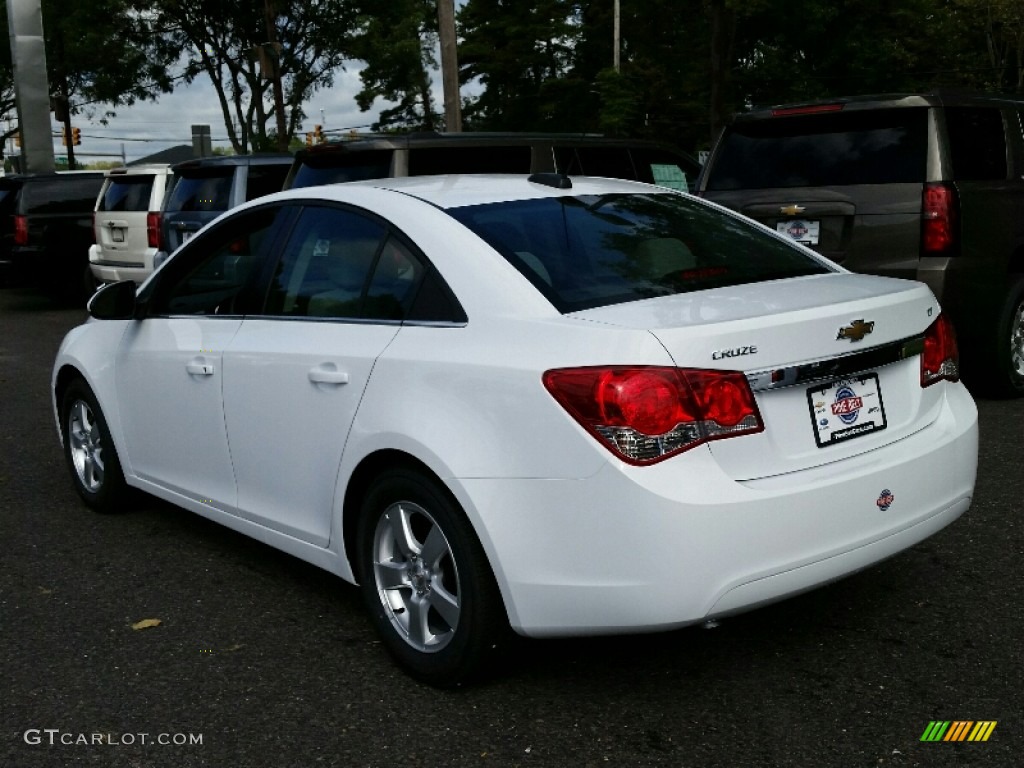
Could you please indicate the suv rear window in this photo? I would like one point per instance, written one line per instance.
(127, 193)
(208, 190)
(589, 251)
(60, 195)
(879, 146)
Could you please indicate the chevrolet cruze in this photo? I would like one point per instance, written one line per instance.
(559, 405)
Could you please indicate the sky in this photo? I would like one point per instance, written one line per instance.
(148, 127)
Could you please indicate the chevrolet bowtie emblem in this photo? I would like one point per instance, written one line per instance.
(791, 210)
(856, 330)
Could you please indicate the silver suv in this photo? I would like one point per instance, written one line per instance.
(127, 223)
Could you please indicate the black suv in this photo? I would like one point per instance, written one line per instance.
(422, 154)
(208, 186)
(922, 186)
(46, 227)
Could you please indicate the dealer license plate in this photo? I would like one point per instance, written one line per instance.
(117, 235)
(846, 408)
(804, 231)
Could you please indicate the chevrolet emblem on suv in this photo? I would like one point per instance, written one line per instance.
(856, 330)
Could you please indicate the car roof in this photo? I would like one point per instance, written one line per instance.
(214, 161)
(459, 190)
(137, 170)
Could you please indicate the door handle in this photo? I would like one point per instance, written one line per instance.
(328, 376)
(199, 368)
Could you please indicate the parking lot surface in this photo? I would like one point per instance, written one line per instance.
(262, 660)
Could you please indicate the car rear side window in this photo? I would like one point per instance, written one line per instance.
(208, 190)
(977, 143)
(342, 264)
(127, 193)
(881, 146)
(588, 251)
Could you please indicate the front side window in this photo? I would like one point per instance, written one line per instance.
(591, 251)
(209, 274)
(343, 264)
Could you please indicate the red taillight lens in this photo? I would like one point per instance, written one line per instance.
(939, 220)
(646, 414)
(940, 359)
(153, 239)
(20, 230)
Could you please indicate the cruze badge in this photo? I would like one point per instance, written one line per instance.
(721, 354)
(856, 330)
(791, 210)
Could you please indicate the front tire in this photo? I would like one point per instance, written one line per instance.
(89, 450)
(426, 581)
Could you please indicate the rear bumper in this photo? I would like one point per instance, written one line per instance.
(110, 271)
(649, 548)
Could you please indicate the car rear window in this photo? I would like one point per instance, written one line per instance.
(591, 251)
(882, 146)
(207, 190)
(127, 193)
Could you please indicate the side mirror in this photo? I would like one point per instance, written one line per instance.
(115, 301)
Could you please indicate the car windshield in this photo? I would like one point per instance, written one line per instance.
(885, 146)
(592, 251)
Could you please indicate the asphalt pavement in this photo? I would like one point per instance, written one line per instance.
(261, 660)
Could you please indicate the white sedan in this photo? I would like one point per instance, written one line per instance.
(565, 406)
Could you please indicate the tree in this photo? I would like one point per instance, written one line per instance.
(250, 48)
(521, 52)
(396, 40)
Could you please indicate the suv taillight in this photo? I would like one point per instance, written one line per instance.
(20, 230)
(939, 220)
(941, 358)
(153, 239)
(645, 414)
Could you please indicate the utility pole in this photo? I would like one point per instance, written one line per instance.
(616, 37)
(274, 57)
(31, 88)
(449, 65)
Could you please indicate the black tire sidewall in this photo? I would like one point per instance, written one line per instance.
(482, 615)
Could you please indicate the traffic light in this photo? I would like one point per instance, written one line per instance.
(17, 139)
(64, 136)
(309, 139)
(318, 133)
(76, 136)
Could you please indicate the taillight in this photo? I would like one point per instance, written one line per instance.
(153, 239)
(940, 359)
(20, 230)
(939, 220)
(646, 414)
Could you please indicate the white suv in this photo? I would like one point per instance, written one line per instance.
(126, 223)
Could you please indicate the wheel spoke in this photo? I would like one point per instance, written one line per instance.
(435, 547)
(445, 603)
(390, 575)
(419, 627)
(401, 531)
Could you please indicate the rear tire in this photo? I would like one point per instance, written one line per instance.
(89, 451)
(425, 580)
(1009, 355)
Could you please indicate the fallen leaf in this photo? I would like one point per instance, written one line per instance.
(146, 624)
